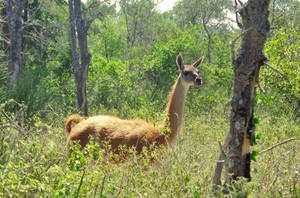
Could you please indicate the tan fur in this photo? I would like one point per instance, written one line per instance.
(138, 134)
(73, 119)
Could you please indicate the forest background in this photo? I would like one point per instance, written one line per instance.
(133, 47)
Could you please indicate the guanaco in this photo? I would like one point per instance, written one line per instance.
(138, 134)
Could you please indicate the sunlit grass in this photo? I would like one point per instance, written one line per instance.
(38, 165)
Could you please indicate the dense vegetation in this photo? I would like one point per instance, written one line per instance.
(132, 70)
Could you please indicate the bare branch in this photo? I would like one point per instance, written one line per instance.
(261, 89)
(276, 145)
(11, 121)
(102, 185)
(236, 13)
(90, 21)
(53, 111)
(218, 171)
(241, 3)
(92, 5)
(3, 126)
(276, 70)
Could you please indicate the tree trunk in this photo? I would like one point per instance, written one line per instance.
(5, 30)
(14, 22)
(209, 41)
(247, 63)
(80, 53)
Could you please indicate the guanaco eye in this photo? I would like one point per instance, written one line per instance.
(185, 72)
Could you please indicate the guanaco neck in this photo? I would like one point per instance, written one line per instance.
(175, 108)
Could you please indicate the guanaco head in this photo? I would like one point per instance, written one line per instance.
(190, 73)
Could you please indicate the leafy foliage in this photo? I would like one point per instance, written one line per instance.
(282, 84)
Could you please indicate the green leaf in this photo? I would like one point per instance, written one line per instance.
(258, 136)
(196, 194)
(256, 120)
(254, 154)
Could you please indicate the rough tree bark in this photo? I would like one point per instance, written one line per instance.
(13, 20)
(247, 63)
(81, 56)
(209, 41)
(4, 28)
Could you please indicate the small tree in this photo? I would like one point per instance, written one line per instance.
(12, 31)
(137, 16)
(210, 15)
(79, 26)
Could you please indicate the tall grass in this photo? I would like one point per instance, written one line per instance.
(37, 164)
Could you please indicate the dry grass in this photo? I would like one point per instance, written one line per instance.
(38, 164)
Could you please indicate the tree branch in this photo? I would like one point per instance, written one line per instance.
(90, 21)
(261, 89)
(12, 121)
(218, 171)
(276, 145)
(276, 70)
(236, 14)
(3, 126)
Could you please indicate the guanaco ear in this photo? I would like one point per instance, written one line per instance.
(198, 62)
(179, 62)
